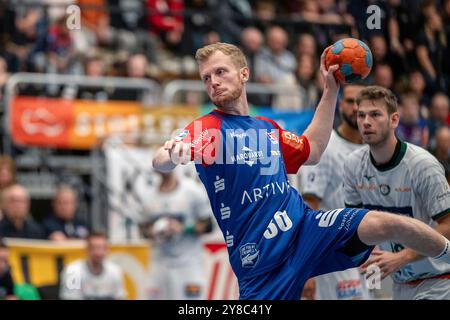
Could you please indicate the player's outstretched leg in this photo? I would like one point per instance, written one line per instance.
(377, 227)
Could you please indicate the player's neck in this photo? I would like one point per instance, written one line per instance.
(349, 134)
(383, 152)
(95, 268)
(168, 185)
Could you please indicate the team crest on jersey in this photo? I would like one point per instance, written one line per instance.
(273, 137)
(249, 255)
(385, 189)
(183, 134)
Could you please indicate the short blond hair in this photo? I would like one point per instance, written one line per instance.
(373, 93)
(236, 55)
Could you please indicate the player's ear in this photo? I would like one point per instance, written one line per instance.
(245, 74)
(395, 119)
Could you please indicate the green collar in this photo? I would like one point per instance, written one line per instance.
(400, 150)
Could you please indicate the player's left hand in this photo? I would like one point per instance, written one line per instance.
(330, 81)
(388, 262)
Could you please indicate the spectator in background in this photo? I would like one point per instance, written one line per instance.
(383, 76)
(136, 67)
(416, 85)
(94, 66)
(165, 16)
(432, 49)
(306, 44)
(382, 55)
(403, 27)
(177, 214)
(274, 63)
(251, 44)
(411, 127)
(96, 277)
(17, 222)
(6, 280)
(307, 67)
(92, 12)
(7, 174)
(64, 224)
(4, 76)
(441, 149)
(61, 51)
(230, 18)
(23, 26)
(439, 114)
(265, 12)
(446, 17)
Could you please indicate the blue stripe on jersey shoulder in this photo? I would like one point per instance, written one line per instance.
(401, 210)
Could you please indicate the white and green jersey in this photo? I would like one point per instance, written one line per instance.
(325, 180)
(411, 184)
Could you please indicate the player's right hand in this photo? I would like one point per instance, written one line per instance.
(179, 151)
(328, 75)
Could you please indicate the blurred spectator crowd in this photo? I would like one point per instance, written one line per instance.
(283, 40)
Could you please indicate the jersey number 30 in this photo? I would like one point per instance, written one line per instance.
(280, 221)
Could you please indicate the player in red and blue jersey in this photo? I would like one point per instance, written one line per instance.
(275, 241)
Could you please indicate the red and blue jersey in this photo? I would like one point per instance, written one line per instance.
(243, 163)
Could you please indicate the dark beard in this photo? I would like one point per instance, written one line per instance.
(353, 125)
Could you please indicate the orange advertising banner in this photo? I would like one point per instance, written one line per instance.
(83, 124)
(41, 121)
(72, 124)
(93, 121)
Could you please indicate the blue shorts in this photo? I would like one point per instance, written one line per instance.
(320, 243)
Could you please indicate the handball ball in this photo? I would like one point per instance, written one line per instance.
(353, 57)
(161, 227)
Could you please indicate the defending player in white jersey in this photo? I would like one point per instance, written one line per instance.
(322, 188)
(178, 213)
(395, 176)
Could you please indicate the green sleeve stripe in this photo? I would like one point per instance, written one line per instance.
(347, 205)
(441, 214)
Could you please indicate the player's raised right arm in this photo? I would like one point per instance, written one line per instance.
(319, 131)
(171, 154)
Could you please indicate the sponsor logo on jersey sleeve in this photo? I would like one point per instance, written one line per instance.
(293, 140)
